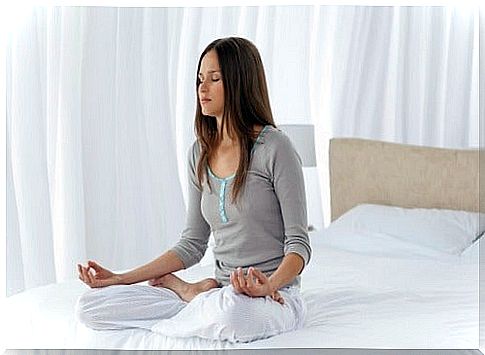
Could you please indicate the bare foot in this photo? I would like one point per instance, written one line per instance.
(186, 291)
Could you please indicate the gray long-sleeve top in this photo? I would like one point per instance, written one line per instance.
(269, 222)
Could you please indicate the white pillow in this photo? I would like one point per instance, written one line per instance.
(445, 231)
(374, 244)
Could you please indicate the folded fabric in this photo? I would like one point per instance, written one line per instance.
(225, 315)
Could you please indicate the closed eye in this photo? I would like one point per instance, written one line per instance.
(213, 80)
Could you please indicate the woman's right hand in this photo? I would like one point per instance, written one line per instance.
(102, 277)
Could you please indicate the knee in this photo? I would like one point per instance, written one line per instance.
(85, 310)
(242, 321)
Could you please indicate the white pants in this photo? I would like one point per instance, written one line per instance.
(218, 314)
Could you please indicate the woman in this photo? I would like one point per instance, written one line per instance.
(246, 186)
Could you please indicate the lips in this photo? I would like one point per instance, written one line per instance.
(204, 101)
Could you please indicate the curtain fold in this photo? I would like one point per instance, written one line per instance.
(29, 185)
(101, 103)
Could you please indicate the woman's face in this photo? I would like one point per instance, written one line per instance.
(211, 89)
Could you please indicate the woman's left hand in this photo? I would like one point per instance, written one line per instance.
(254, 284)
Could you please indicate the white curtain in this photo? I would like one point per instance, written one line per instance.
(100, 107)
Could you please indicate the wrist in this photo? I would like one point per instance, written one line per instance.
(122, 278)
(273, 286)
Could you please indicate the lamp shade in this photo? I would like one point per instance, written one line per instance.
(303, 139)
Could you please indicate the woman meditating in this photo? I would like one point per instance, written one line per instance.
(246, 187)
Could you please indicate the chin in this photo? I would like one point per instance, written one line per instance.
(208, 113)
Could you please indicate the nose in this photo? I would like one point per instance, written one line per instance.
(202, 87)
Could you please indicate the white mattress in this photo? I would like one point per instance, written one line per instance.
(354, 300)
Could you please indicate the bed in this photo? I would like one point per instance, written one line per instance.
(364, 288)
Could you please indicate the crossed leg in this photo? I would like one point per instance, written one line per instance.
(223, 314)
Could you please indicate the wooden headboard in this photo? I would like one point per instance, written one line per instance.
(368, 171)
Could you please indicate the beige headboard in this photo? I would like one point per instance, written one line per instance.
(367, 171)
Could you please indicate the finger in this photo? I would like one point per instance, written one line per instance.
(91, 277)
(83, 274)
(240, 278)
(235, 282)
(275, 296)
(238, 284)
(95, 266)
(250, 282)
(87, 276)
(279, 300)
(79, 270)
(247, 290)
(260, 276)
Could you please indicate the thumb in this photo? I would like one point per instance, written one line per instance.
(259, 275)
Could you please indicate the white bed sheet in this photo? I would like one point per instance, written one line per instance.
(354, 301)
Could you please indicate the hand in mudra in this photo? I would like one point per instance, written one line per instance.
(102, 277)
(254, 284)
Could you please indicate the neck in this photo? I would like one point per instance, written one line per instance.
(225, 140)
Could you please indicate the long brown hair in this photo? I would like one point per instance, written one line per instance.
(246, 103)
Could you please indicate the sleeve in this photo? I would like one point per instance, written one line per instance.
(193, 242)
(289, 187)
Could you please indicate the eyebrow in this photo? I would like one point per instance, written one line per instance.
(211, 71)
